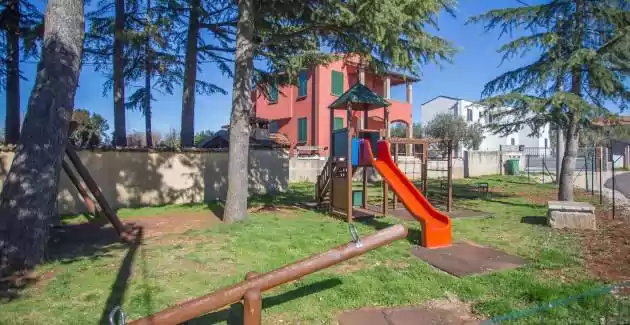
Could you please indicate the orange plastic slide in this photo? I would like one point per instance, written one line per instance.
(436, 226)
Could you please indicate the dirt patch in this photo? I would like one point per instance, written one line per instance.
(538, 197)
(11, 286)
(283, 210)
(174, 224)
(95, 239)
(607, 250)
(349, 266)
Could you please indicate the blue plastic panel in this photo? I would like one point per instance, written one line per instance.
(340, 140)
(355, 151)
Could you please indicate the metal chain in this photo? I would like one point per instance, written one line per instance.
(121, 316)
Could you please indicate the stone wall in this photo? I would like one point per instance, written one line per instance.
(141, 178)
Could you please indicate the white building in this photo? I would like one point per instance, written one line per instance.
(473, 113)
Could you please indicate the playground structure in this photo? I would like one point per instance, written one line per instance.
(100, 207)
(351, 149)
(251, 289)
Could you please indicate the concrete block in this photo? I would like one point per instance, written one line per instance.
(572, 215)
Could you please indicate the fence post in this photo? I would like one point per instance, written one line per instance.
(528, 169)
(613, 172)
(601, 172)
(593, 168)
(252, 307)
(449, 198)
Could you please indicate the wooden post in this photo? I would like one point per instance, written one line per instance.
(365, 168)
(96, 191)
(395, 161)
(87, 200)
(425, 167)
(252, 305)
(386, 125)
(332, 160)
(349, 162)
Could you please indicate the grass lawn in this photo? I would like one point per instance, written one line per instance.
(81, 285)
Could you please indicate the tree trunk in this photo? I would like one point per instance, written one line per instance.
(12, 122)
(568, 161)
(28, 198)
(187, 136)
(560, 143)
(120, 126)
(147, 81)
(565, 192)
(236, 202)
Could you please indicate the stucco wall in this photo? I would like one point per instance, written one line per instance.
(130, 179)
(481, 163)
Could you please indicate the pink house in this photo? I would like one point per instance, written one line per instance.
(301, 111)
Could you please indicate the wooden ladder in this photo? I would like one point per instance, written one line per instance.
(324, 181)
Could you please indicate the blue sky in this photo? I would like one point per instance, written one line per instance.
(476, 63)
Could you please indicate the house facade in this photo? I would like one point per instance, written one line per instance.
(473, 113)
(301, 111)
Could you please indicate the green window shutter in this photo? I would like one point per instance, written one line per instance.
(273, 92)
(338, 123)
(337, 83)
(302, 130)
(302, 82)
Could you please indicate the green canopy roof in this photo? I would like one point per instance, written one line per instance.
(361, 98)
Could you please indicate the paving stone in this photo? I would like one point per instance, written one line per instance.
(463, 258)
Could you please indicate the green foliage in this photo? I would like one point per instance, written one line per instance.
(158, 28)
(398, 130)
(387, 34)
(201, 136)
(27, 23)
(582, 51)
(417, 131)
(474, 136)
(447, 127)
(91, 129)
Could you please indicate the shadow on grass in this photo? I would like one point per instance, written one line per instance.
(119, 287)
(535, 220)
(515, 204)
(234, 314)
(413, 235)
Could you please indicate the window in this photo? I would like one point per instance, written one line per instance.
(302, 129)
(338, 123)
(336, 83)
(490, 118)
(274, 127)
(302, 82)
(273, 92)
(513, 141)
(469, 114)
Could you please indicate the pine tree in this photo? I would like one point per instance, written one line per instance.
(582, 50)
(149, 43)
(207, 36)
(19, 20)
(29, 195)
(106, 47)
(290, 35)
